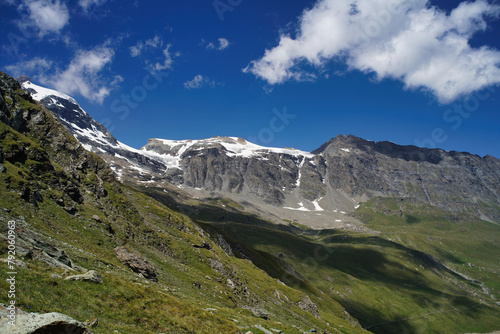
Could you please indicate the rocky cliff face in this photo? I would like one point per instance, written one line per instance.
(334, 178)
(452, 181)
(230, 166)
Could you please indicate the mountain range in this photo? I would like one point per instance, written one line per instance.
(330, 181)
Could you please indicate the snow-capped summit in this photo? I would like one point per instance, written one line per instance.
(91, 134)
(78, 122)
(39, 92)
(171, 152)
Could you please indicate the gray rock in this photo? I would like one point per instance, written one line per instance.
(306, 304)
(91, 276)
(263, 329)
(17, 263)
(3, 169)
(223, 244)
(257, 312)
(136, 262)
(33, 245)
(29, 323)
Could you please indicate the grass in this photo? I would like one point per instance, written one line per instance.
(120, 304)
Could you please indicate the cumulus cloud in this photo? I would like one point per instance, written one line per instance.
(405, 40)
(200, 81)
(223, 44)
(84, 75)
(46, 15)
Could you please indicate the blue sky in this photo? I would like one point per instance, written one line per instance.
(279, 73)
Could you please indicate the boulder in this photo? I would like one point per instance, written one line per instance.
(17, 263)
(306, 304)
(28, 323)
(91, 276)
(257, 312)
(136, 262)
(263, 329)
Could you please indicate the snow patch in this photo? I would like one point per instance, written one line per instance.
(317, 207)
(87, 147)
(42, 92)
(234, 147)
(297, 184)
(300, 208)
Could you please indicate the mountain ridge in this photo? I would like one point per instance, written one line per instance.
(331, 180)
(46, 92)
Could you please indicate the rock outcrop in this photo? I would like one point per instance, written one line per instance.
(48, 323)
(136, 262)
(91, 276)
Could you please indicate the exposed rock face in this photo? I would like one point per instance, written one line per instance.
(10, 111)
(449, 180)
(22, 113)
(306, 304)
(345, 167)
(136, 262)
(257, 311)
(91, 276)
(34, 323)
(31, 245)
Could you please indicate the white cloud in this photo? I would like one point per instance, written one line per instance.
(46, 15)
(136, 50)
(157, 64)
(87, 4)
(223, 44)
(155, 43)
(35, 66)
(83, 75)
(166, 63)
(200, 81)
(400, 39)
